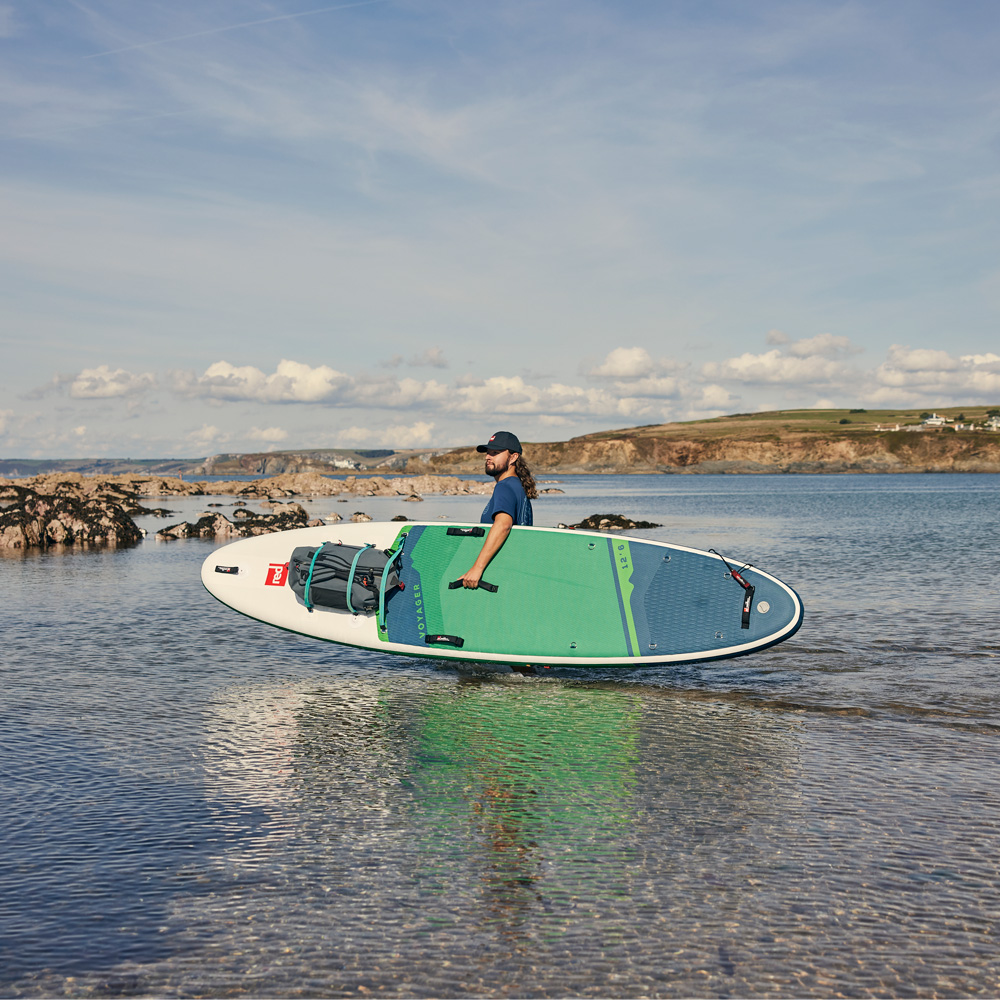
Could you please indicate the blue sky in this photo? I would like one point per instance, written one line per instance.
(236, 225)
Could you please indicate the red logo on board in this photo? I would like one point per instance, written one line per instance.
(277, 574)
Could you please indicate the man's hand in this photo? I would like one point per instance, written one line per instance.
(502, 524)
(471, 579)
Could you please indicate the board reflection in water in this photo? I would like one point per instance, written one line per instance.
(480, 820)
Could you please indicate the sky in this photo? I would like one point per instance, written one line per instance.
(235, 225)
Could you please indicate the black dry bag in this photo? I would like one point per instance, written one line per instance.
(343, 577)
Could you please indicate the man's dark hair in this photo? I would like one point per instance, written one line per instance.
(527, 480)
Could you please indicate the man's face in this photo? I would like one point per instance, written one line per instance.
(497, 462)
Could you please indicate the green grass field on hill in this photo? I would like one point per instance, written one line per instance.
(846, 421)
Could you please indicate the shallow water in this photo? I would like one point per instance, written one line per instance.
(197, 804)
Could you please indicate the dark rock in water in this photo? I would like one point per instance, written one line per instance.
(35, 520)
(138, 511)
(220, 528)
(400, 517)
(612, 522)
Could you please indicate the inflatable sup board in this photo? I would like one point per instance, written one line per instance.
(550, 597)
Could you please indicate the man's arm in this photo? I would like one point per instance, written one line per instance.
(502, 524)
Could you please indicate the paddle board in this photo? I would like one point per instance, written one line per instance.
(555, 597)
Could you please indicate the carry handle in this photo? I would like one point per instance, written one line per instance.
(483, 585)
(468, 532)
(445, 640)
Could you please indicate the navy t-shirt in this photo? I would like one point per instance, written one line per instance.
(508, 498)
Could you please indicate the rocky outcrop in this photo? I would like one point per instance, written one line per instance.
(313, 484)
(219, 528)
(610, 522)
(128, 488)
(125, 488)
(38, 521)
(71, 509)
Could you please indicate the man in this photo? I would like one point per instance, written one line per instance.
(510, 503)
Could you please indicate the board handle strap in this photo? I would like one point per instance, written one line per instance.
(380, 617)
(483, 585)
(445, 640)
(748, 589)
(350, 576)
(309, 578)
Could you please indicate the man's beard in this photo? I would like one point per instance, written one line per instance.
(497, 470)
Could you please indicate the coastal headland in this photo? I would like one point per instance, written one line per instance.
(780, 441)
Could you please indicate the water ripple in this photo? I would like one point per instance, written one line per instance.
(195, 804)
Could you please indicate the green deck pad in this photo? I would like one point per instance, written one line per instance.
(558, 594)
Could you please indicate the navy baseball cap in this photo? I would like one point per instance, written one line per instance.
(502, 441)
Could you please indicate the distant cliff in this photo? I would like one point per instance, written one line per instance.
(803, 441)
(893, 451)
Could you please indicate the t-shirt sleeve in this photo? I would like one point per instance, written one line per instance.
(504, 501)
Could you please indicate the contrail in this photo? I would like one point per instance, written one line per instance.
(232, 27)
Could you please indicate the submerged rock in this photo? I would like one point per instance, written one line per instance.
(611, 522)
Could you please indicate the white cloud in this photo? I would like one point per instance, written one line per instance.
(268, 434)
(103, 383)
(927, 373)
(624, 362)
(652, 387)
(513, 395)
(775, 367)
(632, 363)
(292, 382)
(206, 436)
(415, 435)
(824, 345)
(392, 393)
(983, 360)
(903, 361)
(716, 399)
(433, 357)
